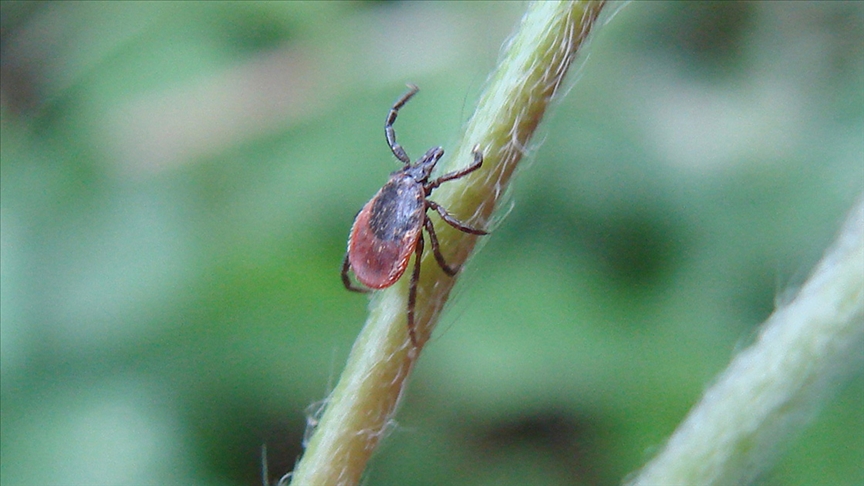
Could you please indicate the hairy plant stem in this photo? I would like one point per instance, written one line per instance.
(771, 389)
(526, 80)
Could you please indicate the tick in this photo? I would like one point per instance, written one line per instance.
(390, 226)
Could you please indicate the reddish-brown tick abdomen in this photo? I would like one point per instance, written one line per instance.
(385, 232)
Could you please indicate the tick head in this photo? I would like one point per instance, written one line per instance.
(420, 170)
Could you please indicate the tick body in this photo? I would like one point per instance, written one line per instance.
(390, 226)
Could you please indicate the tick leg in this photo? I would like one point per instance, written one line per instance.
(437, 251)
(390, 133)
(453, 221)
(478, 161)
(412, 289)
(346, 280)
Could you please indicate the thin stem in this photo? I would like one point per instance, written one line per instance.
(770, 390)
(518, 93)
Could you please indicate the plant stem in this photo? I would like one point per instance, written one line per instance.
(771, 389)
(517, 95)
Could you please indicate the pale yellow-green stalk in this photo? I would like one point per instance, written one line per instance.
(771, 390)
(516, 96)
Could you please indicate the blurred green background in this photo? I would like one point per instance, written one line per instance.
(179, 179)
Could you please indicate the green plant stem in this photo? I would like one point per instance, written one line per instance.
(527, 78)
(770, 389)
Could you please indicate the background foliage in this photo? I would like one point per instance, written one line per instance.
(178, 181)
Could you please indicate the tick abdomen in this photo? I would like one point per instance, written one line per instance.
(386, 231)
